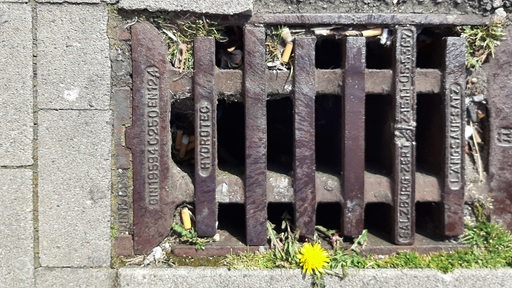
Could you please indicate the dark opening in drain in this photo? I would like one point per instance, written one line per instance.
(378, 56)
(328, 53)
(277, 212)
(280, 135)
(378, 136)
(231, 218)
(429, 134)
(428, 219)
(182, 122)
(328, 215)
(377, 219)
(229, 48)
(328, 133)
(231, 136)
(430, 47)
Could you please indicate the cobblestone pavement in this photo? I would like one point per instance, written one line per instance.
(56, 160)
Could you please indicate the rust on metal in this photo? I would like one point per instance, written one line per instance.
(454, 79)
(352, 145)
(500, 155)
(148, 139)
(205, 106)
(229, 82)
(304, 132)
(404, 144)
(370, 19)
(255, 136)
(254, 85)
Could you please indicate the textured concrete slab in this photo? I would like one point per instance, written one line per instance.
(222, 277)
(16, 231)
(68, 1)
(74, 188)
(205, 6)
(16, 84)
(73, 57)
(73, 277)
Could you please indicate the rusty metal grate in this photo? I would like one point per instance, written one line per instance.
(412, 116)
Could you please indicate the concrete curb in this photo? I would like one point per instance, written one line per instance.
(219, 277)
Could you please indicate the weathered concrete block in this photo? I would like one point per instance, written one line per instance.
(73, 277)
(205, 6)
(73, 66)
(16, 231)
(219, 277)
(16, 84)
(74, 188)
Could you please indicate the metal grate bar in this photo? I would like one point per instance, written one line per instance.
(304, 130)
(370, 19)
(453, 93)
(404, 148)
(205, 136)
(255, 136)
(148, 141)
(353, 109)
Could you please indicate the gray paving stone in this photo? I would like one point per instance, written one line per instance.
(204, 6)
(16, 85)
(76, 1)
(16, 230)
(74, 277)
(73, 66)
(74, 188)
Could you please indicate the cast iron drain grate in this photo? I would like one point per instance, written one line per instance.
(383, 128)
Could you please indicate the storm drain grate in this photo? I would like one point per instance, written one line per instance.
(397, 133)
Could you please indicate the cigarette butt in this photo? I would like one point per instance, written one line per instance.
(183, 148)
(183, 52)
(372, 32)
(185, 218)
(287, 52)
(179, 138)
(231, 49)
(191, 144)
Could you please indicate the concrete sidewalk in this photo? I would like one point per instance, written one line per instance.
(56, 160)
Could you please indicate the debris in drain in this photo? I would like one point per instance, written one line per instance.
(288, 39)
(229, 52)
(279, 48)
(476, 107)
(185, 218)
(180, 35)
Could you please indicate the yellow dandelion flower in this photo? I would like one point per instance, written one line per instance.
(313, 258)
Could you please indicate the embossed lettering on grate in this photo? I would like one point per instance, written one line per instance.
(394, 140)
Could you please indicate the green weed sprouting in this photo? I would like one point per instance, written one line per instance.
(181, 34)
(481, 42)
(189, 236)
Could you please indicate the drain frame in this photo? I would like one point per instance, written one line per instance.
(309, 186)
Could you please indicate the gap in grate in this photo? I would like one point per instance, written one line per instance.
(429, 134)
(328, 133)
(231, 136)
(277, 211)
(280, 135)
(377, 220)
(328, 215)
(231, 217)
(378, 56)
(229, 50)
(182, 119)
(378, 139)
(328, 53)
(428, 219)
